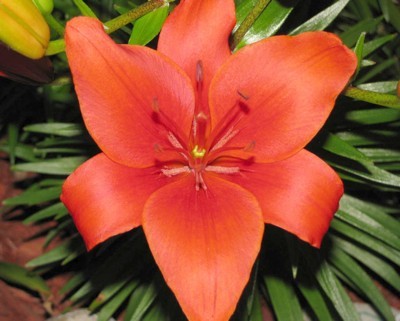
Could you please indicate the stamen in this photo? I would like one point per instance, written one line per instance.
(200, 181)
(169, 172)
(222, 169)
(174, 141)
(226, 138)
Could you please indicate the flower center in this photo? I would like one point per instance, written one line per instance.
(202, 151)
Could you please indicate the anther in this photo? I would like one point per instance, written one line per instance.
(169, 172)
(156, 105)
(223, 169)
(243, 95)
(158, 148)
(250, 146)
(199, 72)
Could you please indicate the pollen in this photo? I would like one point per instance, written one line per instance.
(198, 153)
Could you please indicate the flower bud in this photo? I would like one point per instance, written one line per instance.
(23, 28)
(45, 6)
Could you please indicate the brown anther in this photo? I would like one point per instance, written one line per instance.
(199, 72)
(243, 95)
(250, 146)
(158, 148)
(156, 105)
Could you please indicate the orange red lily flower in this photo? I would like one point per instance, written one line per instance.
(202, 147)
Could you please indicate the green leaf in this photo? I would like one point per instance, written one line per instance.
(372, 261)
(32, 197)
(84, 8)
(20, 276)
(140, 301)
(361, 9)
(57, 166)
(256, 309)
(12, 140)
(352, 270)
(108, 292)
(309, 289)
(76, 280)
(350, 36)
(148, 27)
(372, 116)
(322, 19)
(381, 155)
(377, 70)
(365, 223)
(368, 241)
(391, 12)
(388, 222)
(268, 23)
(283, 298)
(50, 211)
(59, 129)
(123, 263)
(380, 86)
(338, 146)
(358, 50)
(115, 303)
(57, 254)
(25, 152)
(336, 293)
(368, 172)
(376, 43)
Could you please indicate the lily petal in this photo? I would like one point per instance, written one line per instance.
(200, 29)
(300, 194)
(284, 87)
(106, 198)
(128, 106)
(205, 243)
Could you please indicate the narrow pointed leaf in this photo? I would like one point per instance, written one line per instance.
(334, 290)
(35, 196)
(57, 254)
(20, 276)
(57, 166)
(115, 303)
(352, 270)
(268, 23)
(369, 242)
(372, 261)
(140, 301)
(60, 129)
(148, 27)
(322, 19)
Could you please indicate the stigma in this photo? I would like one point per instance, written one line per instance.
(198, 153)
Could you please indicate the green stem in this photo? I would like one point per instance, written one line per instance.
(132, 15)
(54, 24)
(55, 47)
(248, 22)
(376, 98)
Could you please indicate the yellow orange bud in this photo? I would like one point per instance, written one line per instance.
(23, 28)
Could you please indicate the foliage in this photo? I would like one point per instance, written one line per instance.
(361, 142)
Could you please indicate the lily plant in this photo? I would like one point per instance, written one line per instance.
(202, 147)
